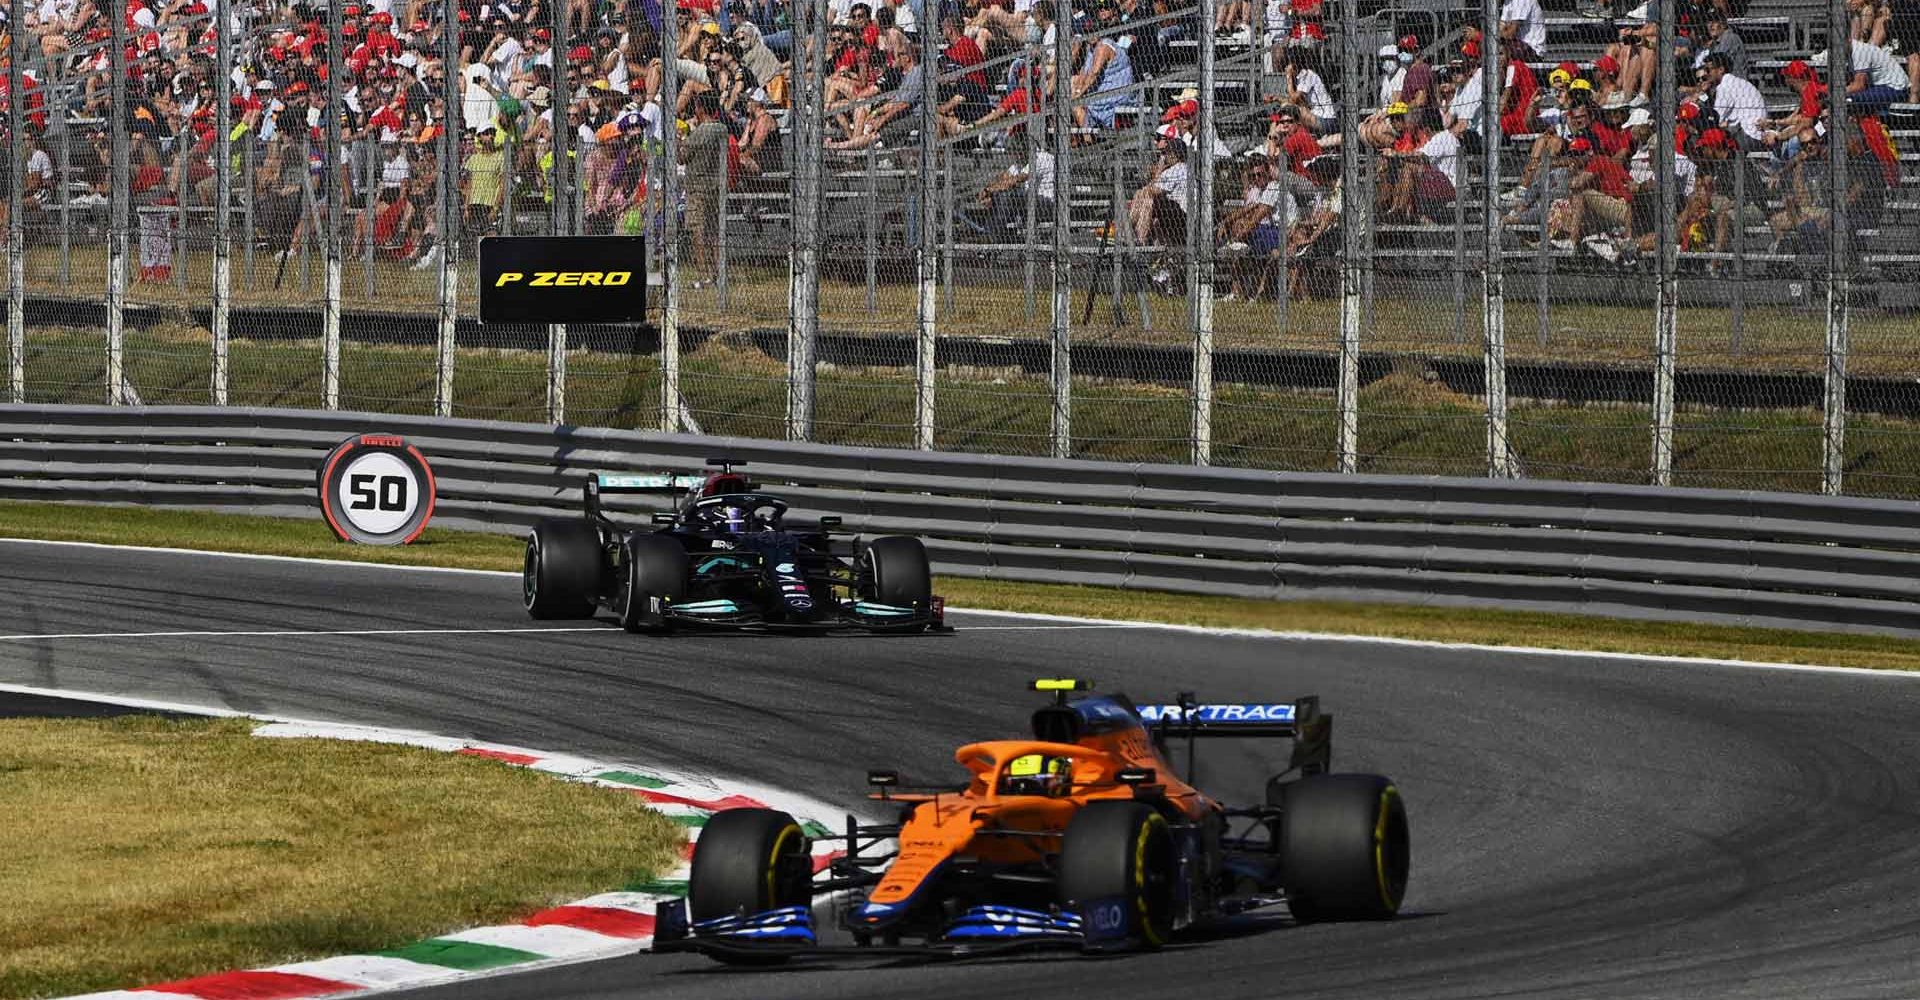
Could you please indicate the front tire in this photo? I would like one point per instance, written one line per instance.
(894, 570)
(1122, 850)
(656, 569)
(561, 573)
(749, 861)
(1345, 851)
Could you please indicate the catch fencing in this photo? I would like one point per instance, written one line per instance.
(985, 273)
(1749, 558)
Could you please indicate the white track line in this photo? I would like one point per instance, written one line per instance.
(363, 631)
(1250, 633)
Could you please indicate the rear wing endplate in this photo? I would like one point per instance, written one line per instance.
(1301, 721)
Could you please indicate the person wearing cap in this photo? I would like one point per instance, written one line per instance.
(1641, 227)
(1601, 193)
(889, 120)
(1417, 89)
(1737, 102)
(1288, 144)
(1306, 90)
(1811, 107)
(1273, 200)
(1158, 208)
(484, 184)
(705, 156)
(1393, 74)
(1432, 176)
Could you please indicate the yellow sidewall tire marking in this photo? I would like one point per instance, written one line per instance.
(773, 861)
(1387, 796)
(1147, 930)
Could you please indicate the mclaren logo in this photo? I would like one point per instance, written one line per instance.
(563, 279)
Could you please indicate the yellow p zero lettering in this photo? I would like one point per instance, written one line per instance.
(617, 278)
(542, 279)
(590, 278)
(568, 278)
(508, 278)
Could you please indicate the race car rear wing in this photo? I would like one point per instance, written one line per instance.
(599, 484)
(1301, 721)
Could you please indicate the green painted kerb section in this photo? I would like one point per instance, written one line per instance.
(465, 955)
(630, 778)
(675, 887)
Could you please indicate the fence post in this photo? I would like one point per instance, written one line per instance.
(222, 201)
(803, 261)
(1666, 250)
(1493, 294)
(117, 219)
(1200, 255)
(452, 212)
(669, 219)
(1739, 251)
(334, 190)
(1062, 361)
(247, 152)
(16, 232)
(1839, 249)
(870, 237)
(1347, 388)
(372, 171)
(927, 305)
(1030, 125)
(559, 187)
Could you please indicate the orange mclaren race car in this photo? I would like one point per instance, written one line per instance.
(1083, 836)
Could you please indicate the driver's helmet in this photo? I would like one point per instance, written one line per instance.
(740, 518)
(1035, 774)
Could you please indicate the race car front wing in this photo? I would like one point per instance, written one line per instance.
(1099, 926)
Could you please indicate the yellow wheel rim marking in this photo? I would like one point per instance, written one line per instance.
(1387, 795)
(773, 861)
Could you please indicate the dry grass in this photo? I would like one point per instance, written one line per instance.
(236, 533)
(141, 849)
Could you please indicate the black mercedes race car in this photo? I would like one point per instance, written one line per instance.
(723, 558)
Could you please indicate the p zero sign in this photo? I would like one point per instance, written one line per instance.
(563, 279)
(376, 489)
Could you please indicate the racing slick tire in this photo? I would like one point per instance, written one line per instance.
(656, 568)
(1344, 850)
(894, 570)
(749, 861)
(561, 574)
(1124, 851)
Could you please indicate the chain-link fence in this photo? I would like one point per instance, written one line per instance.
(1511, 238)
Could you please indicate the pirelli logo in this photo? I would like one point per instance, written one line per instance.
(563, 279)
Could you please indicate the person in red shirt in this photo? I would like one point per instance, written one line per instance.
(1286, 137)
(1813, 103)
(1600, 191)
(1516, 100)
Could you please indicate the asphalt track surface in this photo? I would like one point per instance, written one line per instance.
(1583, 827)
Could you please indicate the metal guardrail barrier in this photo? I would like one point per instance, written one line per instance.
(1777, 559)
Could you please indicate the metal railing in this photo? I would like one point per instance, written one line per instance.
(1775, 559)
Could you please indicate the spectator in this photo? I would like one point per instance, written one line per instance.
(1600, 194)
(1723, 39)
(1875, 79)
(1290, 146)
(1417, 90)
(891, 119)
(1523, 23)
(1105, 72)
(1869, 20)
(1432, 177)
(1736, 102)
(1633, 55)
(705, 156)
(1811, 108)
(1158, 209)
(1005, 197)
(1644, 196)
(1256, 228)
(1903, 39)
(485, 186)
(1393, 73)
(1306, 90)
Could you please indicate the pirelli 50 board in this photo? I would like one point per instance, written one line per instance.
(563, 279)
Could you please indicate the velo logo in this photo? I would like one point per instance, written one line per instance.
(376, 489)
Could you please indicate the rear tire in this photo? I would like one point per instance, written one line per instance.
(561, 574)
(1345, 851)
(1122, 850)
(656, 568)
(749, 861)
(894, 570)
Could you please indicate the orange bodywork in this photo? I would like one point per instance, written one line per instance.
(987, 823)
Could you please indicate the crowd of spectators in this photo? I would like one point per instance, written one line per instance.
(1587, 169)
